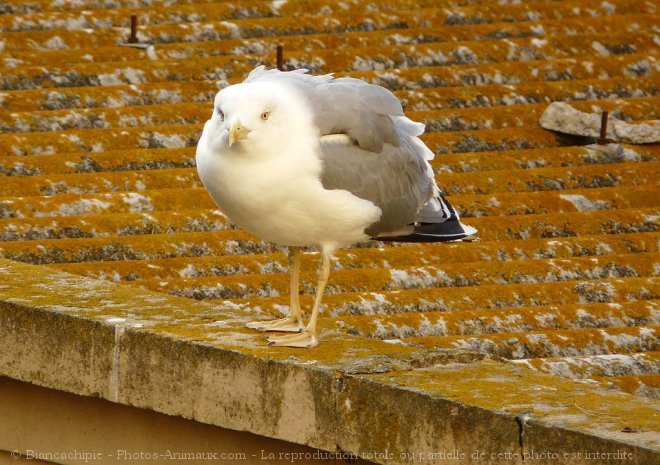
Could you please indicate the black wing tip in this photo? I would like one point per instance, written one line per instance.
(448, 231)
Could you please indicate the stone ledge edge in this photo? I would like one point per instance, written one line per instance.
(316, 404)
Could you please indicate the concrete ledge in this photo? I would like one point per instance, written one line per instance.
(100, 432)
(385, 403)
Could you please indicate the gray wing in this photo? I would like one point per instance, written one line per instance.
(398, 183)
(370, 114)
(375, 153)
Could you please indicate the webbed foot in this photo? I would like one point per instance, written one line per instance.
(306, 339)
(284, 325)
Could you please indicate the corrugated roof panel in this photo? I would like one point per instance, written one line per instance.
(97, 153)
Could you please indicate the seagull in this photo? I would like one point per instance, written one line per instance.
(317, 161)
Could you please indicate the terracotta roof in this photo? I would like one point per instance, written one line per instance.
(97, 151)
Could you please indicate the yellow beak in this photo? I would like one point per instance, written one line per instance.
(237, 132)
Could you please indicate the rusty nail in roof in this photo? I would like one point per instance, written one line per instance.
(280, 64)
(602, 140)
(132, 39)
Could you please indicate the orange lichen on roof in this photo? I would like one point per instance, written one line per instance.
(539, 158)
(108, 96)
(401, 257)
(501, 320)
(456, 274)
(463, 298)
(550, 343)
(600, 366)
(97, 159)
(97, 162)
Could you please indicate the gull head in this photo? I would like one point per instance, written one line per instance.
(261, 119)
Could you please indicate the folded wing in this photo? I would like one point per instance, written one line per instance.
(369, 114)
(393, 180)
(368, 146)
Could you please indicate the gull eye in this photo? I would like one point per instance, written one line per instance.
(265, 115)
(221, 114)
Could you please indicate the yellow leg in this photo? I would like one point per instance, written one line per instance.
(292, 323)
(309, 337)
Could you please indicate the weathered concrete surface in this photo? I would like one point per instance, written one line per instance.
(562, 117)
(100, 432)
(383, 402)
